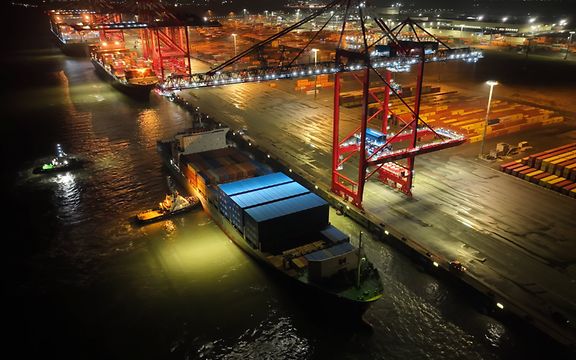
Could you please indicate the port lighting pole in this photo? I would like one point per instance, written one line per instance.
(235, 49)
(315, 51)
(568, 45)
(492, 83)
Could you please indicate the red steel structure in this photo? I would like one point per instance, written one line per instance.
(166, 40)
(164, 36)
(169, 49)
(106, 13)
(384, 158)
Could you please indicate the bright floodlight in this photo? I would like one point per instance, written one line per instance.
(492, 82)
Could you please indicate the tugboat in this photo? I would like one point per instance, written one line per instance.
(124, 70)
(173, 204)
(62, 162)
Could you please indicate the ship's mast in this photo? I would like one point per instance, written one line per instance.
(359, 260)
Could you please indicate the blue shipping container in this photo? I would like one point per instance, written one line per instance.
(225, 191)
(334, 235)
(375, 135)
(285, 224)
(259, 197)
(285, 207)
(255, 183)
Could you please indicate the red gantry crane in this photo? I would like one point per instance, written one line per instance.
(165, 40)
(164, 35)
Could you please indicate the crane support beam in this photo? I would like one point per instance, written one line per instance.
(419, 150)
(295, 71)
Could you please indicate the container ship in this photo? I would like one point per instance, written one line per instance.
(123, 69)
(71, 41)
(273, 218)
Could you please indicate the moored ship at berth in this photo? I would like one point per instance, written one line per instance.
(275, 219)
(124, 70)
(71, 41)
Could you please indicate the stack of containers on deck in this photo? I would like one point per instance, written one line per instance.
(285, 224)
(273, 212)
(553, 169)
(228, 194)
(217, 167)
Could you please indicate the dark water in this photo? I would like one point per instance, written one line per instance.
(81, 281)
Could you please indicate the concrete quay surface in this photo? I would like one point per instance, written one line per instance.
(517, 240)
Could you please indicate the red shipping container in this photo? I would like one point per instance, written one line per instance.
(536, 179)
(558, 186)
(567, 188)
(517, 170)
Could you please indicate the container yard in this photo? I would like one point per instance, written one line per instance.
(553, 169)
(215, 46)
(462, 113)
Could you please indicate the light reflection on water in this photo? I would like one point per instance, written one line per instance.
(68, 197)
(495, 334)
(275, 338)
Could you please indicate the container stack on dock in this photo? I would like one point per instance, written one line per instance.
(273, 212)
(463, 114)
(352, 99)
(320, 81)
(216, 44)
(553, 169)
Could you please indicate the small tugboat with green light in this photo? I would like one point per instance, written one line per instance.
(62, 162)
(173, 204)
